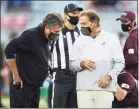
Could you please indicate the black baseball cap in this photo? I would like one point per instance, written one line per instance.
(71, 7)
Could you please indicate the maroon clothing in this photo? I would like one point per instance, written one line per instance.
(126, 82)
(131, 54)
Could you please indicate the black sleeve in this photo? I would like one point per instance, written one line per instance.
(22, 43)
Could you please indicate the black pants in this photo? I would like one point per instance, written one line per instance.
(28, 97)
(62, 93)
(65, 96)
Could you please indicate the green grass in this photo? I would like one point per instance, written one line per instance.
(6, 102)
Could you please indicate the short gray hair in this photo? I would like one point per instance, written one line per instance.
(53, 19)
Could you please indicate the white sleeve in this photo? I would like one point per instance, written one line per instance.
(118, 57)
(75, 56)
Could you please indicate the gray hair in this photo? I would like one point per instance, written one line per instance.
(52, 20)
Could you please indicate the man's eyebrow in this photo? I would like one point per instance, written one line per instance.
(57, 31)
(73, 12)
(83, 23)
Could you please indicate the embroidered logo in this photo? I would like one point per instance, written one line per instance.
(124, 85)
(130, 51)
(124, 14)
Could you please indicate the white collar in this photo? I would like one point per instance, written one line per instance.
(100, 38)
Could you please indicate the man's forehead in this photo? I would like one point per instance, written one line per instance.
(84, 18)
(56, 27)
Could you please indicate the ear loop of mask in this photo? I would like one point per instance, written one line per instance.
(134, 23)
(49, 33)
(68, 16)
(49, 29)
(90, 27)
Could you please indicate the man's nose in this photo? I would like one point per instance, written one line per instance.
(77, 14)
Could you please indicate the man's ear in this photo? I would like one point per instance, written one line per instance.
(46, 27)
(133, 23)
(66, 16)
(95, 24)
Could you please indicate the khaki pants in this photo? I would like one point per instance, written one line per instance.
(95, 99)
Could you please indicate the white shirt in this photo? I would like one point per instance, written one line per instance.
(105, 50)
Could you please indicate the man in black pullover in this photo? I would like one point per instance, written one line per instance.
(28, 57)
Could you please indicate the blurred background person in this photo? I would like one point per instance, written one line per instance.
(6, 73)
(1, 66)
(114, 5)
(102, 4)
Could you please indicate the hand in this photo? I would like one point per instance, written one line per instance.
(17, 80)
(50, 74)
(87, 64)
(105, 81)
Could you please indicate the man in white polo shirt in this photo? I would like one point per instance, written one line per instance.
(97, 58)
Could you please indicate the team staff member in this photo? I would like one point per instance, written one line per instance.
(28, 57)
(64, 93)
(127, 92)
(128, 24)
(97, 58)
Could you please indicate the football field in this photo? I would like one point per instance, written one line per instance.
(6, 102)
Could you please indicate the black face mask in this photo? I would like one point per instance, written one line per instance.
(53, 36)
(126, 28)
(74, 20)
(86, 31)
